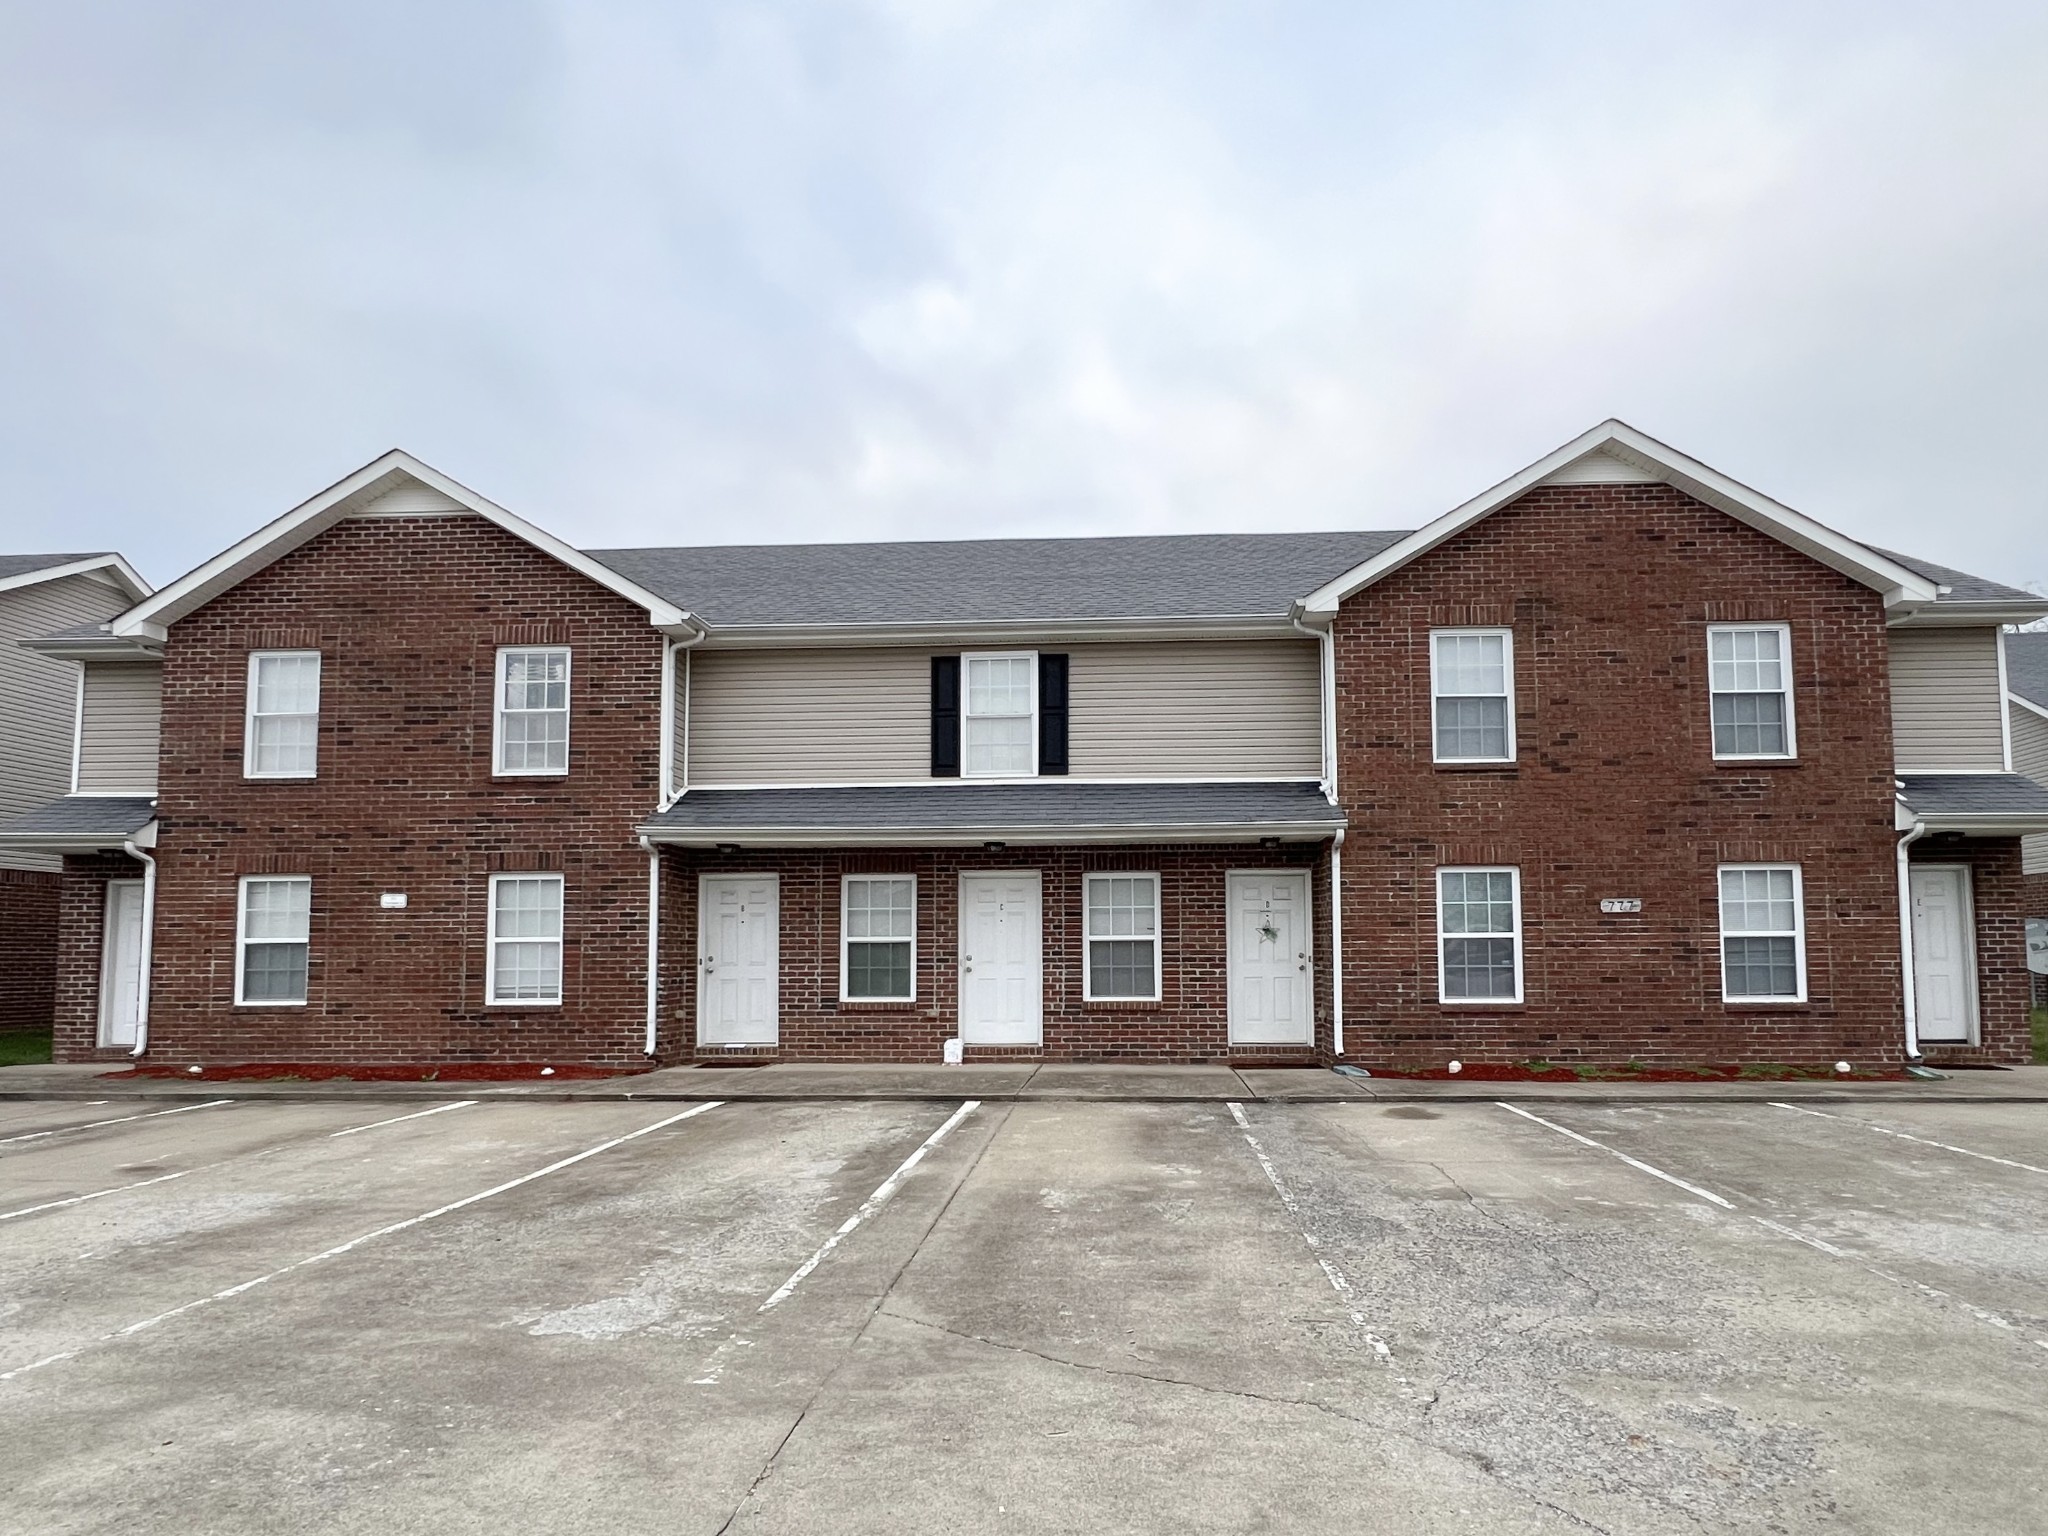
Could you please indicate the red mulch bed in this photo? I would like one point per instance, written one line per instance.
(327, 1071)
(1493, 1072)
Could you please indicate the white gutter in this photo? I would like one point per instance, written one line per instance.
(653, 945)
(148, 944)
(1906, 937)
(1337, 943)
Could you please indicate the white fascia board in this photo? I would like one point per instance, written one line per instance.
(75, 842)
(2005, 825)
(95, 647)
(113, 567)
(310, 518)
(968, 837)
(1954, 615)
(1900, 586)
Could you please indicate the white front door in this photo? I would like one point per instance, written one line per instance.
(1001, 949)
(1269, 958)
(1944, 960)
(737, 953)
(121, 964)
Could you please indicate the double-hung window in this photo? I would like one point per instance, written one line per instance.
(525, 940)
(1472, 688)
(1749, 678)
(1479, 935)
(273, 929)
(999, 723)
(1123, 938)
(1763, 934)
(281, 730)
(531, 735)
(878, 938)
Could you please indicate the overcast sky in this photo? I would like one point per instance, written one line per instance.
(712, 273)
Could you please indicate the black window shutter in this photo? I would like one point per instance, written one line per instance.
(1052, 712)
(945, 717)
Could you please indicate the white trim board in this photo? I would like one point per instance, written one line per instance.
(116, 569)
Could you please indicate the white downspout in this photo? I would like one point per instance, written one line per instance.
(675, 765)
(1906, 937)
(1326, 638)
(653, 945)
(148, 945)
(1337, 943)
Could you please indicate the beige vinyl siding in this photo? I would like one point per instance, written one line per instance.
(1947, 707)
(117, 743)
(39, 696)
(2030, 756)
(1196, 709)
(1154, 709)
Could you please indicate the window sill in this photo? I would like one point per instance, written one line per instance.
(877, 1005)
(1484, 1004)
(520, 1007)
(1500, 765)
(551, 773)
(278, 778)
(1758, 762)
(1764, 1005)
(273, 1004)
(1137, 1004)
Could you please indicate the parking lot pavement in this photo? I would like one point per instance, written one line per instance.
(902, 1317)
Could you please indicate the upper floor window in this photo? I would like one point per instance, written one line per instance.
(999, 725)
(878, 938)
(525, 939)
(532, 730)
(281, 730)
(1472, 683)
(1763, 934)
(1749, 675)
(1479, 935)
(273, 932)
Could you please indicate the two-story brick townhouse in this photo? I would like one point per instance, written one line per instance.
(1620, 760)
(2026, 700)
(39, 693)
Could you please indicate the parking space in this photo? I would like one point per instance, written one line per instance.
(888, 1316)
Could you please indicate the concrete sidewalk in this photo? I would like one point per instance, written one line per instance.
(1021, 1082)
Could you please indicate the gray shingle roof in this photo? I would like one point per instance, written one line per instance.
(1052, 808)
(82, 819)
(21, 565)
(1965, 588)
(983, 580)
(2026, 667)
(1975, 794)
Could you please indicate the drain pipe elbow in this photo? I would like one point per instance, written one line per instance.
(1906, 938)
(653, 945)
(148, 943)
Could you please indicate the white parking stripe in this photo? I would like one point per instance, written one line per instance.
(2003, 1162)
(419, 1114)
(184, 1109)
(98, 1194)
(869, 1206)
(1337, 1278)
(1820, 1245)
(356, 1242)
(1587, 1141)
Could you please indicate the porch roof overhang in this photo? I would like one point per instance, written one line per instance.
(961, 813)
(1979, 804)
(83, 824)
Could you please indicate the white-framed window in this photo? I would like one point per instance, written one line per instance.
(1472, 692)
(999, 715)
(273, 933)
(878, 938)
(1479, 935)
(1122, 938)
(531, 731)
(281, 729)
(1763, 934)
(1749, 682)
(524, 965)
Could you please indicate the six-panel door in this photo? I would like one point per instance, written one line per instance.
(1944, 960)
(737, 955)
(1269, 958)
(1001, 974)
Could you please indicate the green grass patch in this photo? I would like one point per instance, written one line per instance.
(26, 1047)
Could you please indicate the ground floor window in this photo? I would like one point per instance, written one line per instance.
(878, 938)
(272, 933)
(1763, 934)
(1123, 938)
(525, 939)
(1479, 935)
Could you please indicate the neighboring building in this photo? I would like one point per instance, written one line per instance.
(1619, 761)
(38, 721)
(2026, 682)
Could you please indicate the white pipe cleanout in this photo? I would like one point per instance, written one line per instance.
(148, 945)
(653, 945)
(1906, 937)
(1337, 943)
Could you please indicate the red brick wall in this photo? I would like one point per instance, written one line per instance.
(81, 925)
(1189, 1023)
(2004, 989)
(28, 947)
(1615, 792)
(407, 614)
